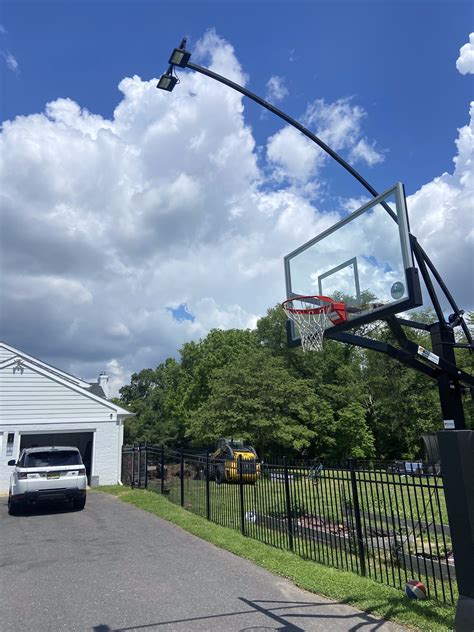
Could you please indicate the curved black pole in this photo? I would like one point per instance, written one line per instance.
(306, 132)
(291, 121)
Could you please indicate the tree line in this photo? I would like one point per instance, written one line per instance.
(343, 402)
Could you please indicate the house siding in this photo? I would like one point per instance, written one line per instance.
(30, 396)
(35, 401)
(4, 354)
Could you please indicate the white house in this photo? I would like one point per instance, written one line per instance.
(41, 405)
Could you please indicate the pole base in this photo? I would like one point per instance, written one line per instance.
(464, 614)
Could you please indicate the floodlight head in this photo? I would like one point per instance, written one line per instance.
(179, 57)
(167, 82)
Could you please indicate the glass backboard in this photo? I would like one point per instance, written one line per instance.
(365, 260)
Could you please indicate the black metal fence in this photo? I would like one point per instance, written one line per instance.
(382, 520)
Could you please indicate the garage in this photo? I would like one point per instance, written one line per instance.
(84, 441)
(42, 405)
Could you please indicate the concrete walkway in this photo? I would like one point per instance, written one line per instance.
(113, 567)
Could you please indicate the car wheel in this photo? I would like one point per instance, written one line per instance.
(79, 503)
(13, 506)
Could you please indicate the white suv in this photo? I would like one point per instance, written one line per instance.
(47, 474)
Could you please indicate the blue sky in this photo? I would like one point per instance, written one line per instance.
(134, 220)
(397, 59)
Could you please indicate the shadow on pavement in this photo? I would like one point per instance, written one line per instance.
(278, 613)
(44, 509)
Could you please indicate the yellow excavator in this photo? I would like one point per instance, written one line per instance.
(224, 462)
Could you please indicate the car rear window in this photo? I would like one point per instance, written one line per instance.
(53, 459)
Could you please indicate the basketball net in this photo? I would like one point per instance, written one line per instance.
(312, 315)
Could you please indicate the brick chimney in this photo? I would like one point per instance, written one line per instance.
(104, 383)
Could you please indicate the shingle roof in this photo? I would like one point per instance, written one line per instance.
(96, 389)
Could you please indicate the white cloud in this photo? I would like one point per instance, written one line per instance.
(276, 89)
(3, 30)
(442, 217)
(338, 124)
(10, 60)
(118, 376)
(465, 61)
(221, 57)
(349, 205)
(35, 287)
(442, 211)
(68, 114)
(294, 156)
(108, 222)
(364, 151)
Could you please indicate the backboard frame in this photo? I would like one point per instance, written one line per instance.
(414, 294)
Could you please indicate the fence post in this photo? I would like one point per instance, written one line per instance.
(146, 465)
(181, 476)
(162, 474)
(241, 492)
(289, 518)
(139, 466)
(132, 482)
(355, 496)
(208, 498)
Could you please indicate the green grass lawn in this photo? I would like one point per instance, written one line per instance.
(343, 586)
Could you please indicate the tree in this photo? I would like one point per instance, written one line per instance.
(354, 438)
(216, 350)
(337, 364)
(402, 403)
(256, 398)
(155, 395)
(344, 401)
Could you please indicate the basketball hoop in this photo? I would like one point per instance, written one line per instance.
(312, 315)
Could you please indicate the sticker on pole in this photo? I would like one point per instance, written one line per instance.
(426, 353)
(448, 424)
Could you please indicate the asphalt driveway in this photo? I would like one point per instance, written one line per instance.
(113, 567)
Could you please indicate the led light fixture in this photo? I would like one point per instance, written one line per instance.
(167, 82)
(179, 57)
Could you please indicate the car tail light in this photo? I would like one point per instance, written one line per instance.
(22, 475)
(79, 472)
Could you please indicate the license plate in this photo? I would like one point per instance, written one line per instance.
(53, 475)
